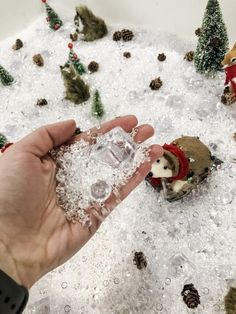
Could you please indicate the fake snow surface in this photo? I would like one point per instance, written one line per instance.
(190, 241)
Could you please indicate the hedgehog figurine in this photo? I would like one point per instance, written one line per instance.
(185, 163)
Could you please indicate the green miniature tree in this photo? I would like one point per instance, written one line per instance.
(97, 106)
(5, 77)
(53, 19)
(3, 140)
(73, 58)
(93, 26)
(76, 89)
(213, 42)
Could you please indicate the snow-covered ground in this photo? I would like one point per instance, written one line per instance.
(190, 241)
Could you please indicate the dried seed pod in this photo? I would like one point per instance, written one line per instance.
(18, 44)
(41, 102)
(127, 54)
(156, 84)
(190, 296)
(189, 56)
(93, 66)
(140, 260)
(38, 59)
(127, 34)
(117, 36)
(161, 57)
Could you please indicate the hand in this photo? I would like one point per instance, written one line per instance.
(35, 237)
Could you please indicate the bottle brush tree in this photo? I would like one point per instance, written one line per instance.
(3, 140)
(97, 106)
(75, 61)
(213, 41)
(52, 18)
(5, 77)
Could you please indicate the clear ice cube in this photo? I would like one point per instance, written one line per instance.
(115, 148)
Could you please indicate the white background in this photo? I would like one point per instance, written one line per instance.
(177, 16)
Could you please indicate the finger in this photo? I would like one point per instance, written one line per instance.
(143, 132)
(45, 138)
(127, 123)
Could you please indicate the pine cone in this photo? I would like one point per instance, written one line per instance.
(74, 36)
(117, 36)
(127, 35)
(215, 42)
(156, 84)
(18, 45)
(38, 59)
(41, 102)
(140, 260)
(234, 137)
(161, 57)
(127, 54)
(198, 31)
(228, 98)
(190, 296)
(93, 66)
(189, 56)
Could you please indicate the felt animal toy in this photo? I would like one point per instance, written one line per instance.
(186, 162)
(229, 64)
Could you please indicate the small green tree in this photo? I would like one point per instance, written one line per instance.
(213, 42)
(3, 140)
(73, 58)
(53, 19)
(5, 77)
(97, 106)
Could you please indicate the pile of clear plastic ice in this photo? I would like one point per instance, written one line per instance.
(190, 241)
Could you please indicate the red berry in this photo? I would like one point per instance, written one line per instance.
(70, 45)
(56, 26)
(44, 1)
(75, 56)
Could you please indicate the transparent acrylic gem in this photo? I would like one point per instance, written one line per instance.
(115, 148)
(181, 266)
(100, 191)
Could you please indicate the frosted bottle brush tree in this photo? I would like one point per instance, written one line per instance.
(75, 61)
(97, 106)
(213, 42)
(52, 17)
(5, 77)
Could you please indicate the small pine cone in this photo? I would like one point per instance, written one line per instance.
(198, 32)
(215, 42)
(161, 57)
(156, 84)
(127, 54)
(41, 102)
(93, 66)
(74, 36)
(234, 137)
(127, 35)
(38, 59)
(190, 296)
(228, 98)
(189, 56)
(140, 260)
(117, 36)
(18, 44)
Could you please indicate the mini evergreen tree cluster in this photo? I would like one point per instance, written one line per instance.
(97, 106)
(5, 77)
(74, 60)
(3, 140)
(53, 19)
(213, 41)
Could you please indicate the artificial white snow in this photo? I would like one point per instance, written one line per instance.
(189, 241)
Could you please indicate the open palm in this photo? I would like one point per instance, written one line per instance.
(35, 237)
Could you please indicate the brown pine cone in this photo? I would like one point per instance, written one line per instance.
(93, 66)
(41, 102)
(38, 59)
(140, 260)
(235, 137)
(127, 54)
(156, 84)
(127, 35)
(74, 36)
(161, 57)
(189, 56)
(190, 296)
(18, 44)
(198, 31)
(117, 36)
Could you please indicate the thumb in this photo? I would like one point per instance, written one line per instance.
(45, 138)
